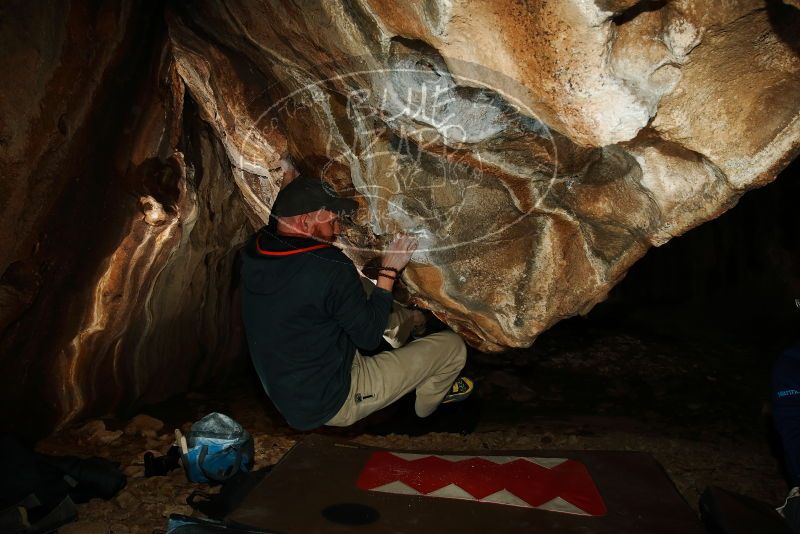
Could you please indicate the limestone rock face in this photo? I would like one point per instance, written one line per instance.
(537, 149)
(120, 218)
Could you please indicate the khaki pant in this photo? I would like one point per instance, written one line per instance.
(428, 365)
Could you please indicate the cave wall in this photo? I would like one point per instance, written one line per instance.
(538, 150)
(120, 218)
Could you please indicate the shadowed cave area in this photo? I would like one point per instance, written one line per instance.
(604, 196)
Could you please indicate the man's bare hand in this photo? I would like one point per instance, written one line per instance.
(399, 251)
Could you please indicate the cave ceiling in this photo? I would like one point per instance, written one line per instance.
(537, 149)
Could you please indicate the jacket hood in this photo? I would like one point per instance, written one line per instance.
(270, 261)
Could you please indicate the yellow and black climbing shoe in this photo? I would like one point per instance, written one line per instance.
(460, 390)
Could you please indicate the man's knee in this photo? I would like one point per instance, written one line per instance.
(455, 347)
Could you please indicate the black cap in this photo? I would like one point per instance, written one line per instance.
(305, 194)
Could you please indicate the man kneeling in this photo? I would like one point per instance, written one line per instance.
(306, 313)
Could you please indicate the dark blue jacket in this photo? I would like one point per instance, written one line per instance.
(305, 312)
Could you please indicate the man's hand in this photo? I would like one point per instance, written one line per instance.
(399, 251)
(396, 256)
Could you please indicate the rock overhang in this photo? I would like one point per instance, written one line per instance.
(537, 151)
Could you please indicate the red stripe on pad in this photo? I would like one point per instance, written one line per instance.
(558, 485)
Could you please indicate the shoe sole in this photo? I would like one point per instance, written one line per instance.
(459, 398)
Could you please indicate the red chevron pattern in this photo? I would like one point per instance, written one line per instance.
(559, 485)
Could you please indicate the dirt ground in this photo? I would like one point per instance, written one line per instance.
(699, 407)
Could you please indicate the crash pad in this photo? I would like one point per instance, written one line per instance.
(326, 485)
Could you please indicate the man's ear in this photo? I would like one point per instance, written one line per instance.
(304, 221)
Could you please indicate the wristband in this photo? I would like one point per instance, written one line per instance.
(396, 271)
(387, 276)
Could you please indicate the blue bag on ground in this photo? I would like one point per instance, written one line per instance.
(218, 448)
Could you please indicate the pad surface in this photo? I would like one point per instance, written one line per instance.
(323, 485)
